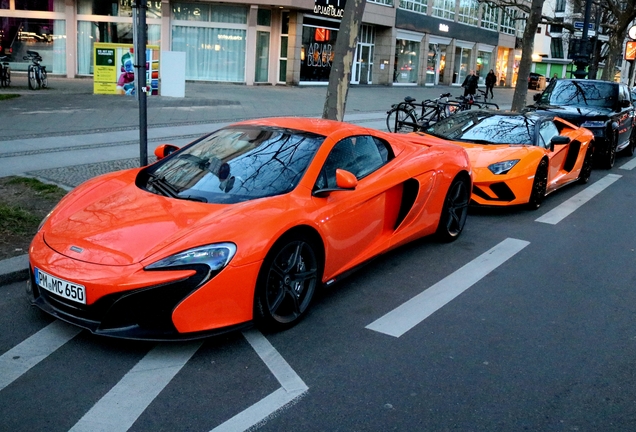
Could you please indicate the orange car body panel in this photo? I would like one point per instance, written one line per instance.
(520, 178)
(123, 228)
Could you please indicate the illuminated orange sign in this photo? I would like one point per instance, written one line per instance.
(322, 35)
(630, 50)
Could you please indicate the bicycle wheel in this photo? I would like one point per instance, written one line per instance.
(44, 82)
(401, 121)
(7, 76)
(3, 76)
(33, 81)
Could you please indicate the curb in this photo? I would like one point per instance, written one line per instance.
(14, 269)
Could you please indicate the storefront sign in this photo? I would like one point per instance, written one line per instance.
(443, 28)
(114, 71)
(329, 8)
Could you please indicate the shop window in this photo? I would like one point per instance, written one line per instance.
(220, 13)
(39, 5)
(262, 56)
(4, 4)
(121, 8)
(316, 55)
(89, 32)
(407, 55)
(46, 37)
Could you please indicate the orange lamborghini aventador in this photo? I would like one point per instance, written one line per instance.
(240, 225)
(518, 158)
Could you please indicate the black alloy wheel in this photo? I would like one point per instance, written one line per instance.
(629, 150)
(586, 168)
(454, 211)
(287, 282)
(405, 121)
(539, 185)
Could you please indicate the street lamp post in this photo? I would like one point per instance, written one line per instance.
(582, 57)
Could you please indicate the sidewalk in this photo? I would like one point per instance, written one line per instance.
(65, 134)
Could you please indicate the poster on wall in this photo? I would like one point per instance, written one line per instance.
(114, 71)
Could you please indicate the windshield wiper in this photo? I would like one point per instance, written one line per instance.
(161, 185)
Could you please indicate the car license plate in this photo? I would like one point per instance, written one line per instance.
(61, 287)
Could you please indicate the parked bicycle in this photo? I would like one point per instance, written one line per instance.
(36, 72)
(404, 117)
(5, 72)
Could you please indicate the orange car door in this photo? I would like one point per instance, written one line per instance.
(557, 174)
(356, 223)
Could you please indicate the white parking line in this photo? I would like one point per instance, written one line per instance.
(629, 165)
(31, 351)
(292, 387)
(124, 403)
(564, 209)
(409, 314)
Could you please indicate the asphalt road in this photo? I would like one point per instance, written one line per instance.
(544, 341)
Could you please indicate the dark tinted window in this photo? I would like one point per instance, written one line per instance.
(359, 155)
(238, 164)
(486, 128)
(581, 93)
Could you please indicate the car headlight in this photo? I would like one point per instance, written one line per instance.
(593, 124)
(216, 256)
(502, 167)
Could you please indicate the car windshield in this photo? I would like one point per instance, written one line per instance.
(485, 128)
(580, 94)
(236, 164)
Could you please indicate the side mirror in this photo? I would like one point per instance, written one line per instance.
(345, 179)
(559, 140)
(536, 97)
(165, 150)
(624, 103)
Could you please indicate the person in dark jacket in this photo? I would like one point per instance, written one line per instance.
(470, 83)
(491, 79)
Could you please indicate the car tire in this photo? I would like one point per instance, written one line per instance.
(454, 210)
(539, 185)
(609, 158)
(586, 168)
(629, 150)
(287, 281)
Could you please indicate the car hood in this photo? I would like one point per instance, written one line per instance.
(483, 155)
(576, 114)
(114, 222)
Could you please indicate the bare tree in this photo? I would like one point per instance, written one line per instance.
(340, 74)
(533, 10)
(624, 13)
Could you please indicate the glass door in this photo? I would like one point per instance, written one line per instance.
(363, 66)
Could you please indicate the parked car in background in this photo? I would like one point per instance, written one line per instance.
(603, 107)
(518, 158)
(534, 81)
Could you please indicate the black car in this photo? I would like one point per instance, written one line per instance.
(603, 107)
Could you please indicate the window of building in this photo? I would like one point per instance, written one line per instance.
(556, 48)
(508, 20)
(317, 51)
(556, 28)
(444, 9)
(122, 8)
(39, 5)
(263, 22)
(468, 12)
(489, 17)
(4, 4)
(560, 6)
(521, 23)
(384, 2)
(282, 57)
(407, 55)
(419, 6)
(264, 17)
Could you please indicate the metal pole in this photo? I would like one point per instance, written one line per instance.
(140, 79)
(582, 60)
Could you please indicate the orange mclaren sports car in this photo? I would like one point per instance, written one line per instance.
(518, 158)
(241, 225)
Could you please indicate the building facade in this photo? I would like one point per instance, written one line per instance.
(401, 42)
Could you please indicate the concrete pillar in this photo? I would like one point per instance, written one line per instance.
(250, 45)
(166, 33)
(294, 46)
(71, 38)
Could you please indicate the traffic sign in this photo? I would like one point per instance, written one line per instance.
(579, 25)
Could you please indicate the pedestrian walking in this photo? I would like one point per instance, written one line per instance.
(491, 79)
(470, 83)
(554, 78)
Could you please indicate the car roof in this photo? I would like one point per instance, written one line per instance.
(317, 126)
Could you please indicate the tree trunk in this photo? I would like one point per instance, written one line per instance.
(613, 54)
(340, 74)
(521, 89)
